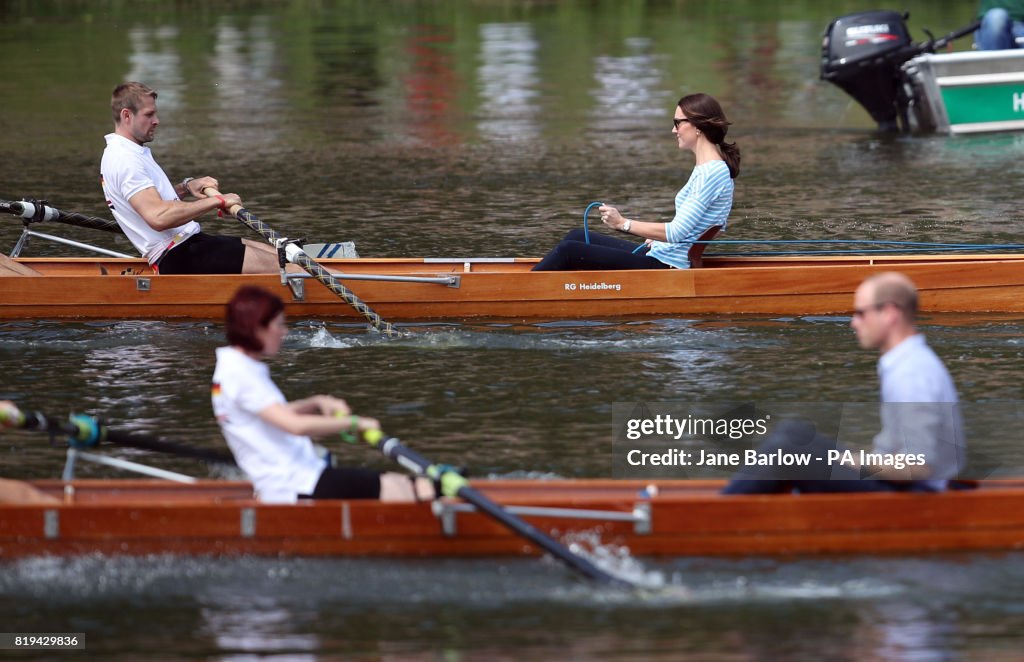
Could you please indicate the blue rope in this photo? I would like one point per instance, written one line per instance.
(905, 247)
(916, 246)
(876, 242)
(864, 251)
(586, 213)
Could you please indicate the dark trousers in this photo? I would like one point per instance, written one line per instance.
(602, 253)
(793, 437)
(346, 483)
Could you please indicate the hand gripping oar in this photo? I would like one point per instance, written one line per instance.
(35, 211)
(85, 431)
(295, 255)
(455, 485)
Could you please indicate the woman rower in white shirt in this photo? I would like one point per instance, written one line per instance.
(269, 436)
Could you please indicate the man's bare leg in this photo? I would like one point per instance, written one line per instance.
(261, 258)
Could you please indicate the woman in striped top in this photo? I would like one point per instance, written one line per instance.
(700, 126)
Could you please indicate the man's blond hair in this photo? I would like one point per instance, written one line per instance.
(129, 95)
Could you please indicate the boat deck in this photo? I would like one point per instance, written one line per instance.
(106, 266)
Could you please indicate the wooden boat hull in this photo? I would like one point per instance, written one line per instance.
(507, 290)
(684, 518)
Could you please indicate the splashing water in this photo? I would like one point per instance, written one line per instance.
(616, 560)
(322, 338)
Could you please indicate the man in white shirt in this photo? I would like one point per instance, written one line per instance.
(150, 209)
(920, 411)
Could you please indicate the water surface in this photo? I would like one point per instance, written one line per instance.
(485, 128)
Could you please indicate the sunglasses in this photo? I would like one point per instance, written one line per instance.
(679, 120)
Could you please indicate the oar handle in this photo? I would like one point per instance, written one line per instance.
(11, 418)
(211, 192)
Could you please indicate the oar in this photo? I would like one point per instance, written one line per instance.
(296, 255)
(35, 211)
(85, 431)
(454, 484)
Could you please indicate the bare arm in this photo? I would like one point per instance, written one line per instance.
(163, 214)
(287, 418)
(320, 404)
(613, 219)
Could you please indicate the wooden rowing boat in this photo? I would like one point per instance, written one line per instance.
(506, 289)
(682, 518)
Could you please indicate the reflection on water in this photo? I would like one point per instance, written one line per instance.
(630, 87)
(257, 626)
(247, 90)
(432, 86)
(508, 82)
(154, 59)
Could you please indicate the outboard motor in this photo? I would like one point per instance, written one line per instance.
(862, 54)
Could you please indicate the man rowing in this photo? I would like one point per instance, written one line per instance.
(920, 412)
(150, 209)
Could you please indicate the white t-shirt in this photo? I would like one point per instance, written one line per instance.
(126, 169)
(280, 465)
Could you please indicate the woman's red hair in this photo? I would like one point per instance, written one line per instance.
(252, 308)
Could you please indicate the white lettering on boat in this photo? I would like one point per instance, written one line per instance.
(572, 287)
(1018, 102)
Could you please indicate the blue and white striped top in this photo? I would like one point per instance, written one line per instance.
(705, 201)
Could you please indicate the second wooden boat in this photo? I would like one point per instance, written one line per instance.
(660, 518)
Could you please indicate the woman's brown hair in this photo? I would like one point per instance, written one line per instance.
(706, 115)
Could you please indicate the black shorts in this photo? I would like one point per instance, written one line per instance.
(204, 254)
(346, 483)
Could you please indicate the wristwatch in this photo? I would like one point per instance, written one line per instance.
(628, 224)
(184, 183)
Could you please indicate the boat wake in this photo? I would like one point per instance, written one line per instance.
(632, 336)
(496, 583)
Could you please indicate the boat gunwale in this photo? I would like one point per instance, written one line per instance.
(512, 491)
